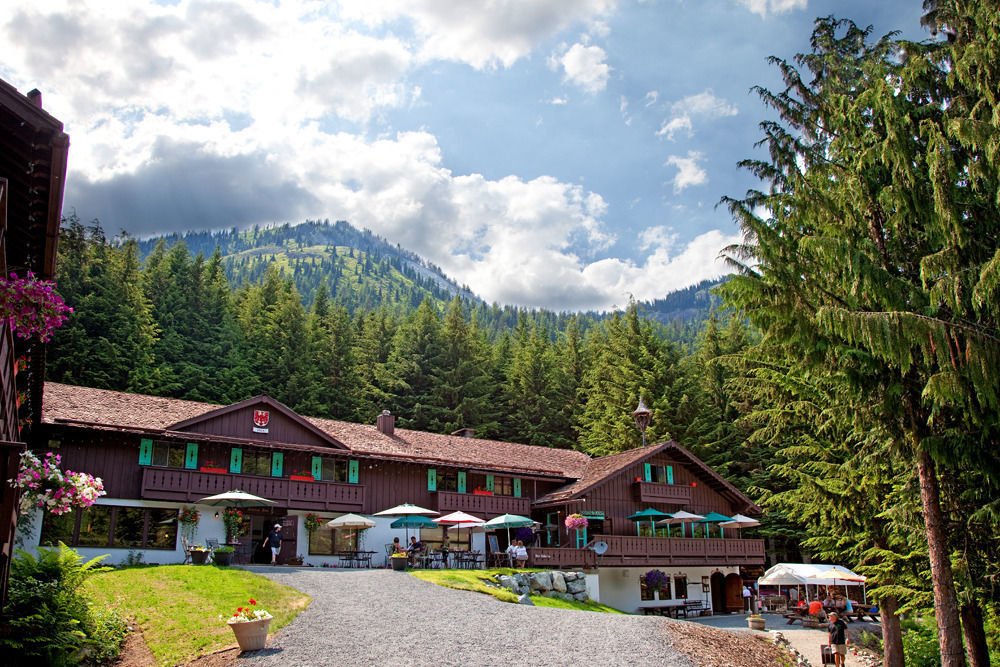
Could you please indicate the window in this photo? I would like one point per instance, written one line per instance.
(106, 526)
(680, 587)
(647, 591)
(169, 454)
(333, 470)
(256, 463)
(329, 541)
(503, 486)
(447, 481)
(662, 474)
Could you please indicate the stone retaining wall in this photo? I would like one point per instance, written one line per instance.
(551, 584)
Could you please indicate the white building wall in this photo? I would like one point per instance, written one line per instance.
(619, 586)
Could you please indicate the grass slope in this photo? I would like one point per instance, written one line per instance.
(473, 580)
(179, 606)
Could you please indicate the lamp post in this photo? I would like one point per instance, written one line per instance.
(642, 416)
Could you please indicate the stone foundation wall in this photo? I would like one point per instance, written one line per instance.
(552, 584)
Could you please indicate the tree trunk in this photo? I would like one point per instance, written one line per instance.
(892, 635)
(945, 600)
(975, 635)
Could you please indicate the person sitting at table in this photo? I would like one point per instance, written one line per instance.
(397, 548)
(521, 554)
(414, 550)
(511, 552)
(816, 609)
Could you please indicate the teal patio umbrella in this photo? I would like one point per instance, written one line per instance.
(509, 521)
(715, 517)
(653, 515)
(412, 521)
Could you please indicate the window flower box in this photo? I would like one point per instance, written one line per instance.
(481, 492)
(218, 471)
(302, 478)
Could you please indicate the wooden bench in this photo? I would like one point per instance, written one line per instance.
(692, 606)
(670, 610)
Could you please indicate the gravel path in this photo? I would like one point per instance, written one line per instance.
(384, 617)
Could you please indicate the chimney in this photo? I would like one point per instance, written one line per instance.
(465, 433)
(386, 423)
(35, 97)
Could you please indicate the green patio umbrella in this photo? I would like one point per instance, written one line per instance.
(412, 521)
(652, 515)
(715, 517)
(509, 521)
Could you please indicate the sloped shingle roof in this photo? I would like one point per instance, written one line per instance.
(83, 405)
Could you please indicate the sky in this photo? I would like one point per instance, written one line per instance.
(566, 154)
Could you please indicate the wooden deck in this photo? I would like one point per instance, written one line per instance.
(483, 506)
(190, 485)
(629, 551)
(655, 492)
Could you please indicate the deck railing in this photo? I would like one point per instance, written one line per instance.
(190, 485)
(623, 549)
(556, 559)
(658, 492)
(478, 505)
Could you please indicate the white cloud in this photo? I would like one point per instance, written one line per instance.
(651, 98)
(623, 109)
(689, 172)
(584, 66)
(482, 35)
(762, 7)
(704, 105)
(558, 101)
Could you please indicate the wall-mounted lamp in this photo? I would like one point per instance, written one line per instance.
(216, 515)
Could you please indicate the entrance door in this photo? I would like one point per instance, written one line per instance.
(289, 538)
(718, 593)
(734, 593)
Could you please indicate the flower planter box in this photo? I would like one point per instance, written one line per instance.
(756, 623)
(215, 470)
(482, 493)
(398, 564)
(302, 478)
(222, 558)
(251, 635)
(199, 557)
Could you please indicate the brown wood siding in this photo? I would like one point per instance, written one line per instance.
(239, 424)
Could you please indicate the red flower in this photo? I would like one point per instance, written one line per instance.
(252, 601)
(239, 609)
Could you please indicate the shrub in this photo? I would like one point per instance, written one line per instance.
(51, 621)
(920, 642)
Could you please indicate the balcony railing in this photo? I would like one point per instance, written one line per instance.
(485, 506)
(657, 492)
(557, 559)
(633, 550)
(190, 485)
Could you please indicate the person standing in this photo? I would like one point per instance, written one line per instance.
(839, 639)
(521, 554)
(274, 539)
(445, 548)
(746, 598)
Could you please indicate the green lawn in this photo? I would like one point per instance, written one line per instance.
(472, 580)
(179, 606)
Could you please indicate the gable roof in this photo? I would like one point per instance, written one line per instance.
(86, 407)
(190, 424)
(603, 468)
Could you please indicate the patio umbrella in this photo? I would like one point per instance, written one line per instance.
(715, 517)
(235, 499)
(412, 521)
(838, 573)
(406, 509)
(459, 520)
(682, 518)
(740, 522)
(648, 513)
(351, 521)
(509, 521)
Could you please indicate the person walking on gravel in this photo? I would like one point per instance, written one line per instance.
(839, 639)
(274, 539)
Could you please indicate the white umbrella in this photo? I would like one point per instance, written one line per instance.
(406, 509)
(351, 521)
(682, 518)
(739, 521)
(235, 499)
(459, 519)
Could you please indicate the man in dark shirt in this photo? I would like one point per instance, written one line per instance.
(414, 550)
(274, 539)
(839, 638)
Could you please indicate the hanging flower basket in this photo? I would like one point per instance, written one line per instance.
(43, 484)
(576, 522)
(31, 306)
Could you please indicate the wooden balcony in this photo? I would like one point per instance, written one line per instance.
(657, 492)
(628, 550)
(558, 559)
(188, 486)
(482, 506)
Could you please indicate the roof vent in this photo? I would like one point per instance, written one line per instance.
(386, 423)
(465, 433)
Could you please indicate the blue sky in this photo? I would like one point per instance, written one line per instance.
(558, 153)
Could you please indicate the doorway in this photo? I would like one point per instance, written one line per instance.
(718, 593)
(261, 525)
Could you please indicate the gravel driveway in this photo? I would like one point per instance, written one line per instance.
(383, 617)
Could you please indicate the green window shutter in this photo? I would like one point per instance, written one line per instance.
(461, 482)
(352, 471)
(647, 471)
(145, 452)
(191, 459)
(317, 467)
(235, 460)
(277, 461)
(517, 487)
(432, 479)
(489, 482)
(670, 474)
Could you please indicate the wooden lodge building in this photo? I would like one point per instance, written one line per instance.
(157, 455)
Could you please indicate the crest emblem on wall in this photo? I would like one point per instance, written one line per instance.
(261, 417)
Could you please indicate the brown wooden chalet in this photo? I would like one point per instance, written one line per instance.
(169, 452)
(33, 151)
